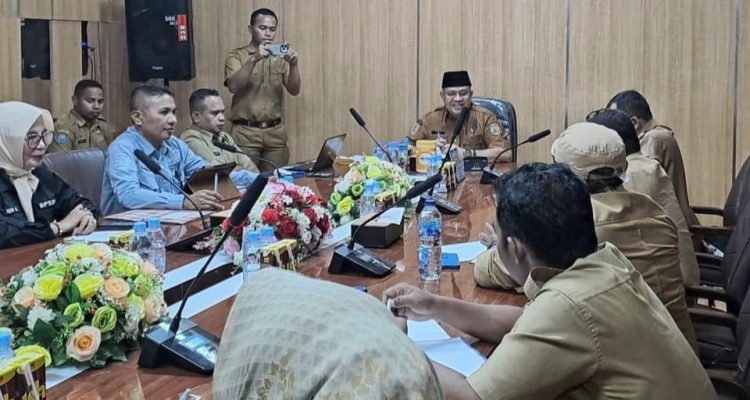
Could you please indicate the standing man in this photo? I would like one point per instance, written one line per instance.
(207, 113)
(481, 136)
(257, 79)
(128, 184)
(82, 127)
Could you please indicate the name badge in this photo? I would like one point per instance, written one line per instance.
(82, 141)
(47, 204)
(11, 210)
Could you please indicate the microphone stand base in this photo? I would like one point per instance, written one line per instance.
(359, 261)
(191, 348)
(488, 176)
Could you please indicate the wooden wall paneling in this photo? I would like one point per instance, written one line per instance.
(79, 10)
(8, 8)
(514, 50)
(112, 64)
(352, 54)
(65, 50)
(37, 9)
(742, 151)
(10, 62)
(37, 92)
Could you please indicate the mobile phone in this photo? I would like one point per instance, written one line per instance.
(278, 49)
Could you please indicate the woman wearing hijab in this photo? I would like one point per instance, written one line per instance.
(35, 204)
(296, 338)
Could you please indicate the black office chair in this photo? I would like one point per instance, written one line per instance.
(505, 113)
(83, 170)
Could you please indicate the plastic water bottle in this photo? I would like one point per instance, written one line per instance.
(367, 201)
(430, 242)
(379, 154)
(403, 154)
(267, 236)
(250, 252)
(287, 179)
(140, 243)
(392, 149)
(442, 187)
(158, 256)
(6, 351)
(376, 189)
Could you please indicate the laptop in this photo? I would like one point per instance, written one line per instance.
(331, 149)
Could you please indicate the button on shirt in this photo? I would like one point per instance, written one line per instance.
(128, 184)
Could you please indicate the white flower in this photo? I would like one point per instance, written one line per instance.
(92, 265)
(237, 260)
(132, 317)
(306, 237)
(29, 277)
(286, 200)
(345, 219)
(37, 313)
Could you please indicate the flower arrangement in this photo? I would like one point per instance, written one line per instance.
(346, 193)
(85, 304)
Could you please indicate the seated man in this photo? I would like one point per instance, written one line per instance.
(128, 184)
(83, 127)
(593, 328)
(645, 175)
(207, 113)
(657, 142)
(292, 337)
(481, 136)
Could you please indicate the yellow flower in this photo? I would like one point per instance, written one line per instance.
(345, 206)
(143, 285)
(33, 351)
(74, 310)
(48, 287)
(77, 251)
(83, 343)
(123, 267)
(25, 297)
(155, 309)
(57, 268)
(137, 301)
(104, 319)
(116, 288)
(88, 284)
(372, 160)
(373, 172)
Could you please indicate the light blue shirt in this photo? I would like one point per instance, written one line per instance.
(128, 184)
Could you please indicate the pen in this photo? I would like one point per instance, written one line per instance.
(216, 182)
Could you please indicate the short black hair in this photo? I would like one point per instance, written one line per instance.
(548, 209)
(619, 121)
(262, 11)
(632, 103)
(199, 96)
(84, 84)
(147, 90)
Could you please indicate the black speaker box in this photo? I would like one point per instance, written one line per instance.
(35, 48)
(160, 39)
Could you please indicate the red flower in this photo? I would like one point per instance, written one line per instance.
(269, 216)
(324, 224)
(296, 198)
(225, 225)
(288, 228)
(310, 214)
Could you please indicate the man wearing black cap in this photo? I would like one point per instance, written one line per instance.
(481, 136)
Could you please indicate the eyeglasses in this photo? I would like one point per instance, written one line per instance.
(33, 139)
(594, 113)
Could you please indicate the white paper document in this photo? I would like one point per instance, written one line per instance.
(453, 353)
(338, 235)
(420, 331)
(97, 236)
(466, 251)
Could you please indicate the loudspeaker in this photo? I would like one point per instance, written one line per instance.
(35, 48)
(160, 39)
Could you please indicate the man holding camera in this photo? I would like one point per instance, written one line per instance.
(257, 75)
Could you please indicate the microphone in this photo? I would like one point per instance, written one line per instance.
(232, 149)
(361, 122)
(154, 167)
(489, 176)
(355, 258)
(194, 349)
(460, 120)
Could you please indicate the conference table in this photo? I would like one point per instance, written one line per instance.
(125, 380)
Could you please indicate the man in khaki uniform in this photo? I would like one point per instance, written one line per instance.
(645, 175)
(592, 329)
(207, 112)
(482, 134)
(257, 79)
(657, 142)
(82, 127)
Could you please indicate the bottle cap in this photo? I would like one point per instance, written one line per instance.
(139, 227)
(154, 223)
(266, 231)
(6, 337)
(429, 202)
(254, 236)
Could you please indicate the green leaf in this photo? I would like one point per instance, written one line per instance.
(61, 302)
(72, 294)
(43, 332)
(118, 353)
(59, 356)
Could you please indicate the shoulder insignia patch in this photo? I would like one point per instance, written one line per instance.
(62, 138)
(495, 129)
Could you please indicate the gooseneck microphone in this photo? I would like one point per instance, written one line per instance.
(193, 348)
(356, 259)
(460, 120)
(233, 149)
(361, 122)
(154, 167)
(489, 175)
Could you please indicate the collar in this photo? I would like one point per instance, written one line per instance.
(206, 133)
(140, 142)
(81, 122)
(537, 278)
(251, 48)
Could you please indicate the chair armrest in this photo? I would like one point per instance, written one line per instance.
(724, 384)
(702, 315)
(706, 259)
(708, 210)
(703, 230)
(706, 292)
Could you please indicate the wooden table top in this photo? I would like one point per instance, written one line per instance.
(124, 380)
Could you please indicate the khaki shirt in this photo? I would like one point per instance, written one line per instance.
(200, 142)
(660, 144)
(642, 232)
(481, 129)
(646, 176)
(261, 99)
(593, 331)
(72, 132)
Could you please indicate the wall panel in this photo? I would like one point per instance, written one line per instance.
(10, 62)
(742, 152)
(512, 49)
(79, 10)
(37, 9)
(65, 50)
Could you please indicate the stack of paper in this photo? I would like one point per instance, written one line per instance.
(453, 353)
(468, 251)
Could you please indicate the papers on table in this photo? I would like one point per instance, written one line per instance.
(453, 353)
(392, 216)
(338, 235)
(166, 216)
(468, 251)
(97, 236)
